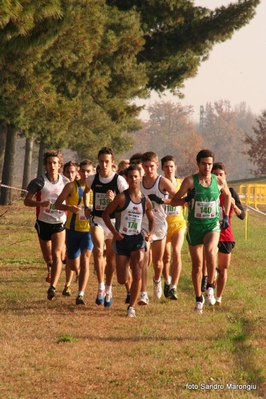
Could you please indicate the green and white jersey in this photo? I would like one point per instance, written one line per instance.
(204, 208)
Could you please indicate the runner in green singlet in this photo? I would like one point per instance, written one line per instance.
(203, 231)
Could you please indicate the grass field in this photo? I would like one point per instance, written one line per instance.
(58, 350)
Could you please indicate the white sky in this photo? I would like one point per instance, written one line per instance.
(234, 71)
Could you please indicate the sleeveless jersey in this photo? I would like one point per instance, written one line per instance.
(204, 208)
(129, 218)
(51, 191)
(158, 209)
(174, 213)
(226, 234)
(100, 201)
(77, 221)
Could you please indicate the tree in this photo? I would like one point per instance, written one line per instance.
(257, 144)
(170, 131)
(179, 36)
(224, 132)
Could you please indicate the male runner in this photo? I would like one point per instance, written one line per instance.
(42, 194)
(105, 185)
(78, 239)
(156, 187)
(129, 240)
(203, 221)
(175, 234)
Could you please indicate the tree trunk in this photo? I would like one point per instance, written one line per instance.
(9, 163)
(40, 160)
(3, 131)
(27, 163)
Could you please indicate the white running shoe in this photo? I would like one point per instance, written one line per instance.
(144, 299)
(210, 298)
(199, 306)
(131, 311)
(157, 289)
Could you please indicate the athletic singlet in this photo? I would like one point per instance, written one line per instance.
(174, 213)
(204, 208)
(100, 201)
(226, 234)
(77, 221)
(158, 209)
(129, 218)
(50, 191)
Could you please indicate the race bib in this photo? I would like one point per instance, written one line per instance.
(205, 210)
(51, 209)
(101, 201)
(172, 210)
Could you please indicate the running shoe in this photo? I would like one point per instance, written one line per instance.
(173, 294)
(210, 298)
(100, 297)
(50, 293)
(67, 291)
(127, 300)
(157, 289)
(108, 300)
(80, 300)
(166, 290)
(48, 278)
(144, 299)
(204, 281)
(199, 306)
(131, 311)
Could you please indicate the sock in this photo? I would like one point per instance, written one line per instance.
(81, 293)
(101, 286)
(199, 298)
(172, 286)
(156, 281)
(68, 284)
(108, 289)
(168, 281)
(210, 285)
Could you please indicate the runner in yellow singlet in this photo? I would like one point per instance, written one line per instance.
(175, 234)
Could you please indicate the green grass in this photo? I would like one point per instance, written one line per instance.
(58, 350)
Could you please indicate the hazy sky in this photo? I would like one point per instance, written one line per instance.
(234, 71)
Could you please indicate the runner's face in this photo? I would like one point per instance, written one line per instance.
(70, 172)
(205, 166)
(150, 168)
(85, 171)
(106, 161)
(220, 173)
(169, 168)
(134, 178)
(52, 166)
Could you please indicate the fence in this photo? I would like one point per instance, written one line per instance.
(253, 194)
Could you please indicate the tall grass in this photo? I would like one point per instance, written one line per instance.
(59, 350)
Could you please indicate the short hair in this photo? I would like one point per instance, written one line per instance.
(167, 158)
(131, 168)
(219, 165)
(106, 150)
(53, 153)
(86, 162)
(69, 163)
(149, 156)
(123, 164)
(204, 154)
(136, 158)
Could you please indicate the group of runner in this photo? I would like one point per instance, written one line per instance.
(131, 219)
